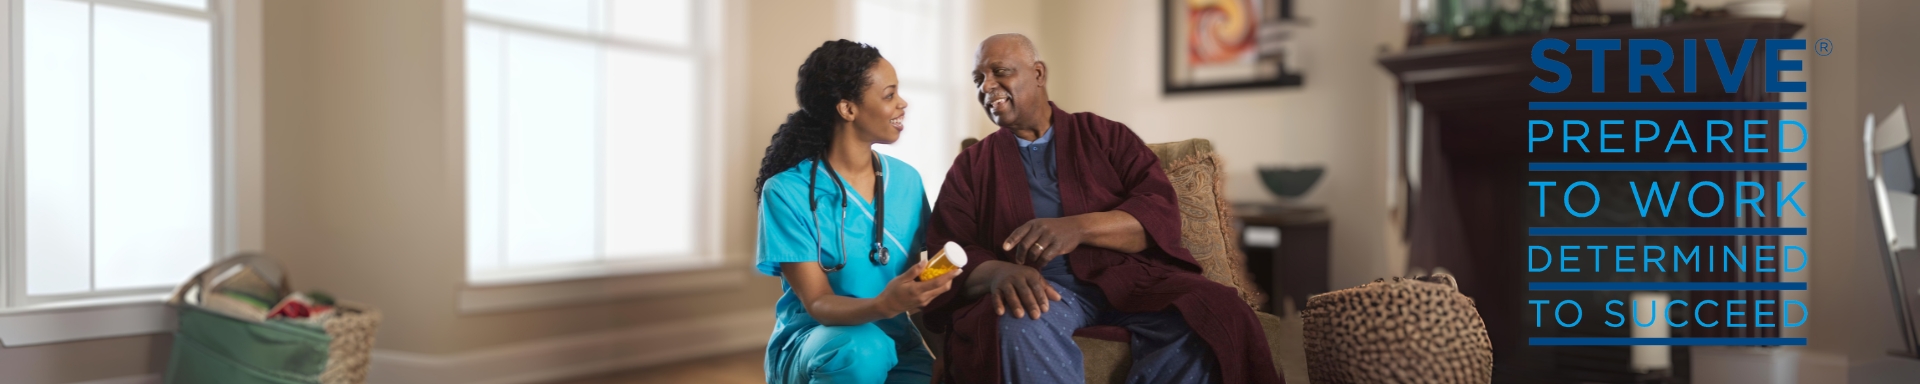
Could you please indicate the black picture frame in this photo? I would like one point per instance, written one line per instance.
(1173, 58)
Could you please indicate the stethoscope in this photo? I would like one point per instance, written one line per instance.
(878, 254)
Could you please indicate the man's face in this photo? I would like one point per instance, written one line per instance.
(1008, 81)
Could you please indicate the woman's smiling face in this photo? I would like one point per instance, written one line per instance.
(879, 114)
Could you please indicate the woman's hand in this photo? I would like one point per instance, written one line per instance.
(901, 294)
(905, 295)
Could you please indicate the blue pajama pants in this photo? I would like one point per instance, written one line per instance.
(863, 353)
(1165, 349)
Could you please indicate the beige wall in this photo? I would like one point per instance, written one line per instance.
(1836, 226)
(364, 192)
(84, 360)
(1105, 58)
(1869, 72)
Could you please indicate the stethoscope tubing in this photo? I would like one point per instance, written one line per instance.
(878, 253)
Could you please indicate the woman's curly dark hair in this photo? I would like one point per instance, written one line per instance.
(835, 71)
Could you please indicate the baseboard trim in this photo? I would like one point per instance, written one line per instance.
(491, 299)
(575, 356)
(151, 378)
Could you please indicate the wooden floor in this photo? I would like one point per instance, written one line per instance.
(745, 367)
(741, 368)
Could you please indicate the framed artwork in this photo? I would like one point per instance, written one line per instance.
(1227, 44)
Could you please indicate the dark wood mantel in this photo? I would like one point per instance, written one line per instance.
(1472, 206)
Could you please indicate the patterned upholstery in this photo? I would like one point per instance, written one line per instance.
(1206, 222)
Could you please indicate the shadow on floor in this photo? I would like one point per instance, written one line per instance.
(741, 368)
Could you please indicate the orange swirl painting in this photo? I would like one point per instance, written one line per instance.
(1221, 31)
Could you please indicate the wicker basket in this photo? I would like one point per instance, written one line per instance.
(352, 348)
(1397, 330)
(212, 347)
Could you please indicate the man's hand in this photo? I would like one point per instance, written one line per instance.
(1040, 240)
(1013, 286)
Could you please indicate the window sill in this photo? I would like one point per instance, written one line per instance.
(579, 285)
(84, 320)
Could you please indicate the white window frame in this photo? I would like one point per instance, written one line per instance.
(236, 63)
(572, 283)
(950, 79)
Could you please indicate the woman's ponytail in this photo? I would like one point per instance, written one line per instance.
(835, 71)
(800, 138)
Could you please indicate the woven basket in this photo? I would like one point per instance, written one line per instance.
(218, 350)
(352, 347)
(1397, 331)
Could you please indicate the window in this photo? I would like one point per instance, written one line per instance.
(922, 41)
(588, 132)
(114, 163)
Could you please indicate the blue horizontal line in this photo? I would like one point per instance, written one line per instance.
(1666, 105)
(1616, 167)
(1680, 341)
(1666, 231)
(1664, 286)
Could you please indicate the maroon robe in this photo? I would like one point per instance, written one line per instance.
(1103, 166)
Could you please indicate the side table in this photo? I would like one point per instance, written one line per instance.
(1287, 244)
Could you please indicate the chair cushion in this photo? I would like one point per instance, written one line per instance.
(1107, 360)
(1104, 361)
(1206, 223)
(1397, 330)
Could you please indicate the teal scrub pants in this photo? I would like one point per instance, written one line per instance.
(857, 354)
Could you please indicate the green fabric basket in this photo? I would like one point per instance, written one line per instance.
(213, 348)
(210, 347)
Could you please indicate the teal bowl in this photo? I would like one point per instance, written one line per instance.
(1290, 183)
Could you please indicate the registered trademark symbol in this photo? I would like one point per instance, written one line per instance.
(1824, 47)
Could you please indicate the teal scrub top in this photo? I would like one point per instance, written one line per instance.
(789, 229)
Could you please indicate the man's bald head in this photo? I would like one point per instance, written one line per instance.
(1012, 83)
(1014, 44)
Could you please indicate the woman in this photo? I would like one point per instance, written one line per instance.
(839, 223)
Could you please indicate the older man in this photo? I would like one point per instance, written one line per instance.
(1050, 184)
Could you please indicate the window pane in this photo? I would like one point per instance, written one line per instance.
(484, 169)
(194, 4)
(650, 147)
(906, 36)
(571, 15)
(927, 143)
(153, 136)
(552, 150)
(57, 158)
(910, 34)
(661, 21)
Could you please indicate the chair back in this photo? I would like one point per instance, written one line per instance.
(1206, 218)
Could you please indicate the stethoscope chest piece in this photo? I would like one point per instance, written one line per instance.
(879, 255)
